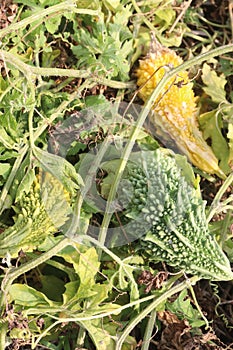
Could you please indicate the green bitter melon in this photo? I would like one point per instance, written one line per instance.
(170, 210)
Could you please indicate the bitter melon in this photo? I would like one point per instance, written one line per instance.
(174, 113)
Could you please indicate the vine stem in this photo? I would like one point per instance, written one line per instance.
(149, 330)
(215, 204)
(11, 177)
(144, 19)
(198, 307)
(87, 185)
(23, 151)
(32, 71)
(13, 273)
(81, 319)
(3, 332)
(63, 6)
(176, 289)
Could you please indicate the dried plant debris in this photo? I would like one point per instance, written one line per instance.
(8, 12)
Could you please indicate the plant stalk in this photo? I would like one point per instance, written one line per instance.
(14, 272)
(215, 204)
(39, 14)
(32, 71)
(176, 289)
(149, 330)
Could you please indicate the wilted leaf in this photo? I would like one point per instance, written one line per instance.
(174, 332)
(151, 281)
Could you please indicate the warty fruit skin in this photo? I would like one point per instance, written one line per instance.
(168, 214)
(174, 113)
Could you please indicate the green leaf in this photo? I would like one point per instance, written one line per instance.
(164, 17)
(86, 265)
(3, 84)
(126, 276)
(94, 5)
(102, 339)
(27, 296)
(25, 184)
(70, 292)
(20, 333)
(4, 172)
(53, 23)
(230, 137)
(101, 293)
(87, 269)
(96, 329)
(105, 49)
(72, 255)
(8, 155)
(183, 308)
(40, 40)
(21, 174)
(60, 168)
(187, 169)
(122, 16)
(55, 199)
(11, 125)
(48, 56)
(211, 125)
(112, 5)
(52, 287)
(214, 84)
(5, 139)
(110, 167)
(4, 169)
(97, 103)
